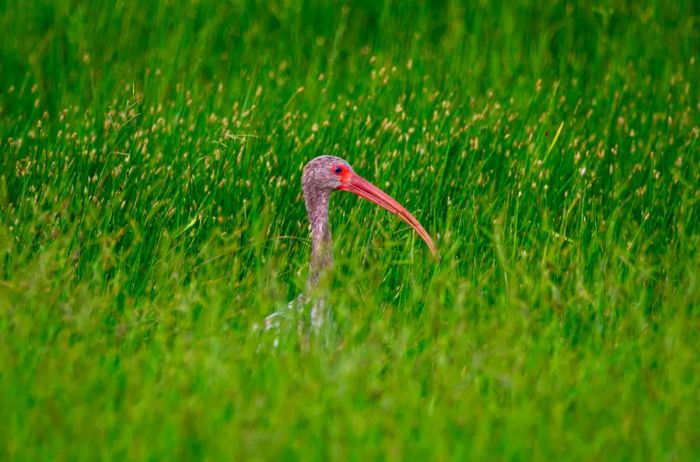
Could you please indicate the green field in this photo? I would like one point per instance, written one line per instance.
(151, 215)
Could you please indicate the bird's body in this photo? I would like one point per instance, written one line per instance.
(321, 176)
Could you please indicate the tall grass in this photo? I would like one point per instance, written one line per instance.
(151, 215)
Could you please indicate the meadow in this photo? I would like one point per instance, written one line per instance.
(151, 215)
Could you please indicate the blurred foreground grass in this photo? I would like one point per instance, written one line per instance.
(150, 214)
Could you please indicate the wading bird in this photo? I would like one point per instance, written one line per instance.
(320, 178)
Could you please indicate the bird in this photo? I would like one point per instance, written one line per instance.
(321, 176)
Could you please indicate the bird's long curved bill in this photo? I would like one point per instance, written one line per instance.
(363, 188)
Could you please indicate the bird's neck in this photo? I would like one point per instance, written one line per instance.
(321, 247)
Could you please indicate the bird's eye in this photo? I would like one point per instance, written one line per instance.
(338, 170)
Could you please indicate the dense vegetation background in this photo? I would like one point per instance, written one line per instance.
(151, 216)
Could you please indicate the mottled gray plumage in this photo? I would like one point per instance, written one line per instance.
(318, 182)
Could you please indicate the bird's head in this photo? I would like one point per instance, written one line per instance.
(327, 173)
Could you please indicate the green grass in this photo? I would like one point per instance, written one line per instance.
(151, 214)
